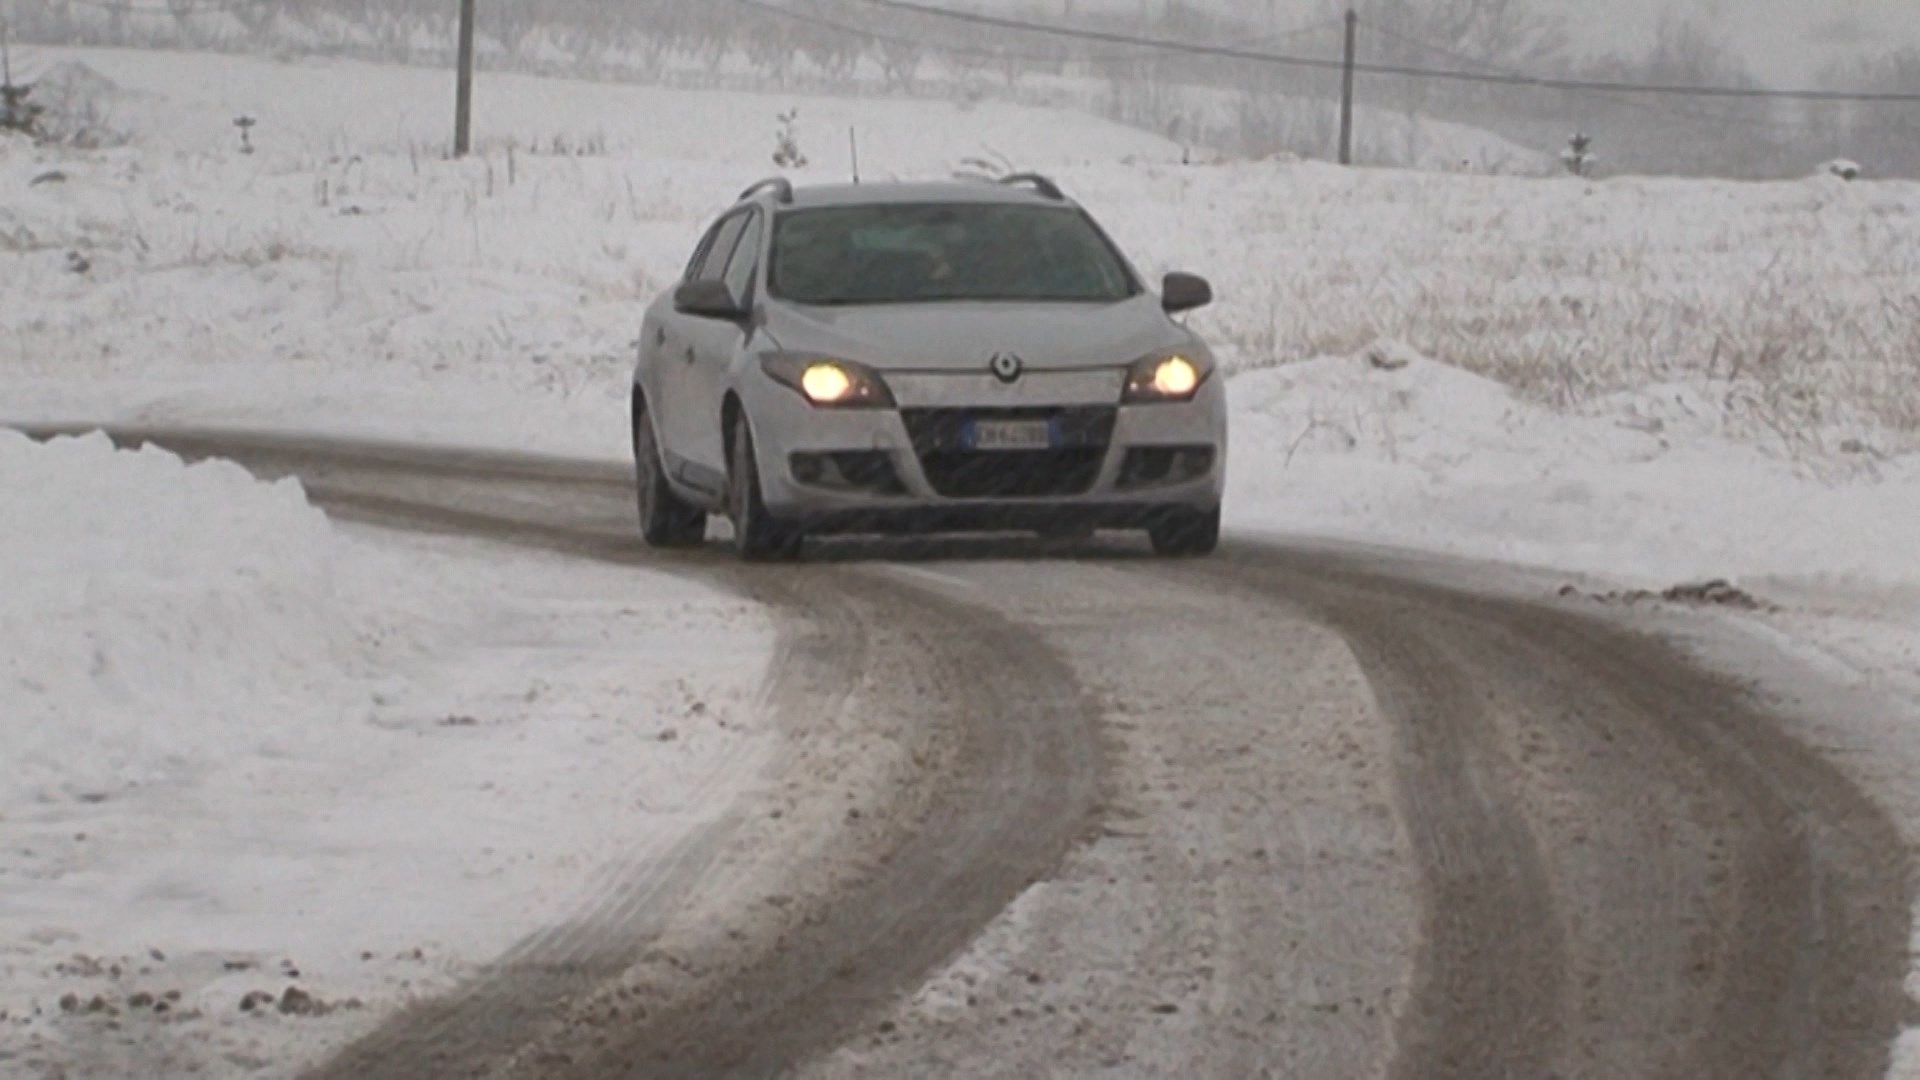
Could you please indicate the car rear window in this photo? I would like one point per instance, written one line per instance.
(929, 253)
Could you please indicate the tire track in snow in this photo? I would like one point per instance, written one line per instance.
(519, 997)
(1630, 870)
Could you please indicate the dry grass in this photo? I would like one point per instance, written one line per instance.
(1790, 311)
(1796, 306)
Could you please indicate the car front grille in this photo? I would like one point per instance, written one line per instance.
(1012, 474)
(956, 472)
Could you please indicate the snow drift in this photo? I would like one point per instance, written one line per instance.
(156, 614)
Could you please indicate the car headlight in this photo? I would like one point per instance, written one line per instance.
(830, 383)
(1167, 376)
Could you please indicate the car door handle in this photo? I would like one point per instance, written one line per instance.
(688, 355)
(659, 336)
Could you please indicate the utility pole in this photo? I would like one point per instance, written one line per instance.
(463, 100)
(1346, 90)
(13, 99)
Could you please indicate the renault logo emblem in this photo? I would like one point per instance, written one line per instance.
(1006, 366)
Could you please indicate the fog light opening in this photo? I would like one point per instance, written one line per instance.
(847, 470)
(809, 468)
(1194, 462)
(1155, 466)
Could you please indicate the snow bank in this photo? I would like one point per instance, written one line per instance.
(1389, 445)
(246, 749)
(157, 615)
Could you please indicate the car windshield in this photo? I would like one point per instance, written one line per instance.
(929, 253)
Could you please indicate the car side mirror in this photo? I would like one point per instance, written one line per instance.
(708, 300)
(1185, 292)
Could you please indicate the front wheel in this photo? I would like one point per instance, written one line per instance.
(757, 535)
(666, 520)
(1186, 533)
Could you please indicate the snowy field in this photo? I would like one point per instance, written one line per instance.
(1638, 383)
(346, 249)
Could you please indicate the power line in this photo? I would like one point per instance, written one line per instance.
(1135, 52)
(188, 11)
(809, 19)
(1540, 82)
(1608, 97)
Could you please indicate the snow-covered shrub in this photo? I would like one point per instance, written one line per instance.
(1843, 168)
(987, 167)
(786, 150)
(71, 101)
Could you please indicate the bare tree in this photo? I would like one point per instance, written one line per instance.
(1685, 51)
(835, 54)
(1515, 32)
(1492, 34)
(770, 49)
(512, 22)
(900, 59)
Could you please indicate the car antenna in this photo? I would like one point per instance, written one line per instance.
(853, 150)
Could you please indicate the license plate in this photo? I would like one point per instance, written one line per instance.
(1010, 434)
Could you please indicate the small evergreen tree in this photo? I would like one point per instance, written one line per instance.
(16, 112)
(1578, 156)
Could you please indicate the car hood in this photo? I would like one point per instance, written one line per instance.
(966, 335)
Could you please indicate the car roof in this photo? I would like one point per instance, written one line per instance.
(896, 193)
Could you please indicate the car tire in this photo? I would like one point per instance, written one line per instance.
(666, 520)
(1186, 533)
(757, 535)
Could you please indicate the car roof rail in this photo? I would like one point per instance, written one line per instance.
(1037, 182)
(781, 187)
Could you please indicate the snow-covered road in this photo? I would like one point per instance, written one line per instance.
(1387, 819)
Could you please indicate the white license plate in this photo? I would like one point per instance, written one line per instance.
(1011, 435)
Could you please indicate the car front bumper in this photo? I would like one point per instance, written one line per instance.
(904, 469)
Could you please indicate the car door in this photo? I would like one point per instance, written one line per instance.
(677, 346)
(717, 342)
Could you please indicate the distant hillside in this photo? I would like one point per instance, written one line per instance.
(1213, 104)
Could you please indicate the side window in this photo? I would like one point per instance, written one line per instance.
(713, 262)
(746, 259)
(700, 251)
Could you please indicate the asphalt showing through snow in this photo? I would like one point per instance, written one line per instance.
(1618, 864)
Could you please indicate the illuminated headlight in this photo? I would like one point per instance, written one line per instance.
(831, 384)
(1167, 377)
(825, 383)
